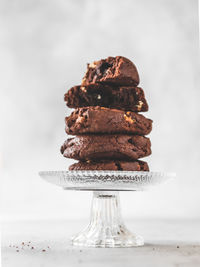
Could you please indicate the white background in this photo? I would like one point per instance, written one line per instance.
(45, 48)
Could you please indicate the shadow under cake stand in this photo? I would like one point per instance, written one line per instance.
(106, 227)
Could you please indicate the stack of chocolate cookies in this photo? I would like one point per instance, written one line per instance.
(109, 131)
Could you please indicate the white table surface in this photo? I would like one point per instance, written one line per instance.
(167, 243)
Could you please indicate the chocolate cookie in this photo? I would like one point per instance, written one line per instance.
(104, 120)
(94, 147)
(125, 98)
(115, 70)
(110, 165)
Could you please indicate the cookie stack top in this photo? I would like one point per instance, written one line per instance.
(109, 131)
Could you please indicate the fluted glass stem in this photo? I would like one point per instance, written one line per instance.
(106, 228)
(105, 211)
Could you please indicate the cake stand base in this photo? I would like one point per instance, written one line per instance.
(106, 228)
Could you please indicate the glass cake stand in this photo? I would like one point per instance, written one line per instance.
(106, 227)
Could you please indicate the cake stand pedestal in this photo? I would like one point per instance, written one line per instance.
(106, 227)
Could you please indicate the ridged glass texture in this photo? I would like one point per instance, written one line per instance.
(106, 228)
(105, 180)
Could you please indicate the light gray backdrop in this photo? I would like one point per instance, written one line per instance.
(46, 45)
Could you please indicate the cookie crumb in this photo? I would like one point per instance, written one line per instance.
(43, 250)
